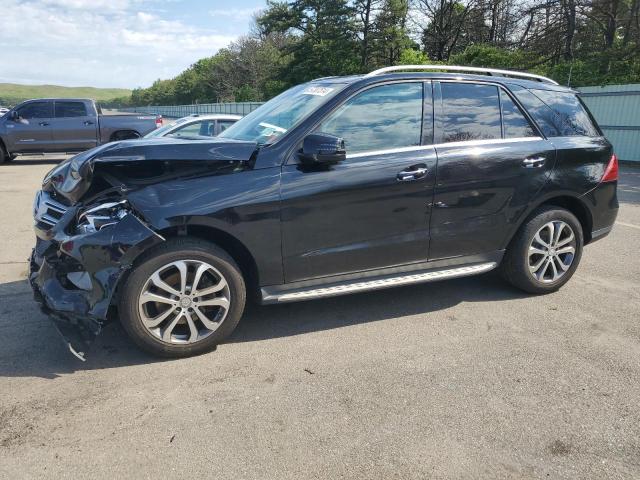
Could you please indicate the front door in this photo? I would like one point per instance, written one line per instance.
(491, 163)
(75, 129)
(31, 131)
(370, 211)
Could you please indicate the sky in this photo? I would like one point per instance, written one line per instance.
(114, 43)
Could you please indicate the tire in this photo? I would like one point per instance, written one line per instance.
(124, 135)
(174, 336)
(4, 156)
(522, 256)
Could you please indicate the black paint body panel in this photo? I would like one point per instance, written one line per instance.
(356, 215)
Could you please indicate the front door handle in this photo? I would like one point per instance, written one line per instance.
(88, 122)
(415, 172)
(44, 124)
(533, 162)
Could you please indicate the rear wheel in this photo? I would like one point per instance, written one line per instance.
(545, 252)
(124, 135)
(183, 299)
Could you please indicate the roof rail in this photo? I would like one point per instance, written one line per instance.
(457, 68)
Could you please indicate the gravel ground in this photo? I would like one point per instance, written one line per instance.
(467, 378)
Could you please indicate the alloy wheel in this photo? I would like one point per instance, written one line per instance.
(551, 252)
(184, 301)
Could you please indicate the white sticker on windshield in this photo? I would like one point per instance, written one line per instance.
(319, 91)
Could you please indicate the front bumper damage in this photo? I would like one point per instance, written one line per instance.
(74, 276)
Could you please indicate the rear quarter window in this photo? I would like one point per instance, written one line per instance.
(559, 114)
(70, 109)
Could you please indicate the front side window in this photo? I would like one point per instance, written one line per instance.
(515, 124)
(470, 112)
(36, 110)
(203, 128)
(70, 109)
(380, 118)
(160, 132)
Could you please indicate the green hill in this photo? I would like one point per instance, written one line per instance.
(11, 93)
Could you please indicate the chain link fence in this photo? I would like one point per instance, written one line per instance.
(177, 111)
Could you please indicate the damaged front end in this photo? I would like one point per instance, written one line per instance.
(88, 233)
(78, 261)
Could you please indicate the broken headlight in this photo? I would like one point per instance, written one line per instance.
(97, 217)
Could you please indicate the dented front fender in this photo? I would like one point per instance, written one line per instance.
(79, 303)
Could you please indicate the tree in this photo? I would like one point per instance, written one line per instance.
(390, 37)
(324, 39)
(445, 26)
(581, 42)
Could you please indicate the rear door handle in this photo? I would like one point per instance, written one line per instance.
(533, 162)
(44, 124)
(88, 122)
(415, 172)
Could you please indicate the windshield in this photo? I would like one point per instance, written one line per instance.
(270, 121)
(165, 128)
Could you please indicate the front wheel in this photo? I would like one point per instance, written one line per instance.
(545, 252)
(4, 156)
(182, 299)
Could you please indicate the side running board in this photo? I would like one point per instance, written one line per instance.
(278, 295)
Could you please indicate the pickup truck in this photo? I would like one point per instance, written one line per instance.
(66, 125)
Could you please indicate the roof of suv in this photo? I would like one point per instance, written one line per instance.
(540, 85)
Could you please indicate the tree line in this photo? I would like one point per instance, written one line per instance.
(575, 42)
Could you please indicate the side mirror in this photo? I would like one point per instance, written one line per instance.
(14, 116)
(322, 148)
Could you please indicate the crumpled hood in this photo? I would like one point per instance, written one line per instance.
(72, 178)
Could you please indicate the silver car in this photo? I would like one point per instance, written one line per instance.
(196, 126)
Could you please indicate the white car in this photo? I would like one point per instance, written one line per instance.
(3, 110)
(196, 126)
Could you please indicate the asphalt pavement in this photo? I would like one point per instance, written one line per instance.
(467, 378)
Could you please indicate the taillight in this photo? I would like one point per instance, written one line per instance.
(158, 121)
(611, 172)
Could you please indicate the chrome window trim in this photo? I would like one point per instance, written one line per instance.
(466, 143)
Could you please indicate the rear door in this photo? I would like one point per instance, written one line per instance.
(75, 128)
(31, 132)
(491, 163)
(370, 211)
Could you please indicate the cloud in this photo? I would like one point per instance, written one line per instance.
(107, 43)
(235, 13)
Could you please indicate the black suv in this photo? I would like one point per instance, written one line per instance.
(340, 185)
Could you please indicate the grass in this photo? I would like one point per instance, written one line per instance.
(11, 93)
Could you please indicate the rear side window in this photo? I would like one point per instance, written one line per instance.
(224, 124)
(514, 122)
(70, 109)
(470, 112)
(558, 114)
(384, 117)
(36, 110)
(570, 117)
(541, 113)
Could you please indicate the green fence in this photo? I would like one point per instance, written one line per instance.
(177, 111)
(617, 110)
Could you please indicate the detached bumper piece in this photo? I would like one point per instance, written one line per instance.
(74, 277)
